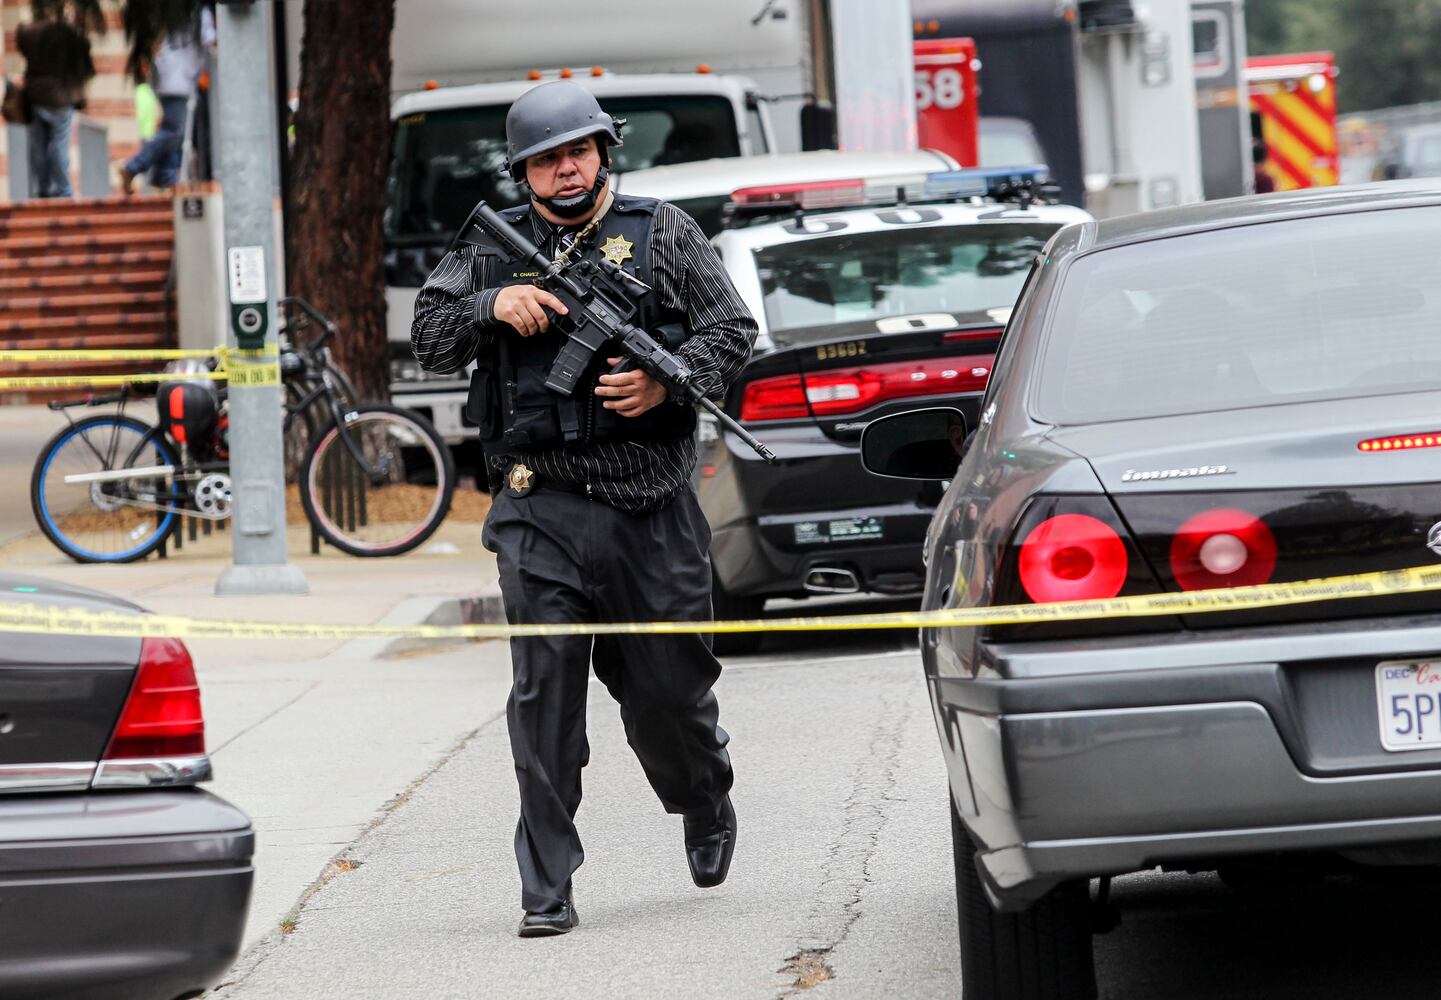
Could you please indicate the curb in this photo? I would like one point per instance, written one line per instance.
(481, 609)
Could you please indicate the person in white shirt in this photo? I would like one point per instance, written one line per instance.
(175, 70)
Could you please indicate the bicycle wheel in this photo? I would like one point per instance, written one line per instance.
(393, 503)
(108, 520)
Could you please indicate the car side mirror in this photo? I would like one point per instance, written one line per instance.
(919, 444)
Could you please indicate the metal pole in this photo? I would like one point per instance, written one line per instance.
(247, 162)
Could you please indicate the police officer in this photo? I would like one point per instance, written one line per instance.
(593, 517)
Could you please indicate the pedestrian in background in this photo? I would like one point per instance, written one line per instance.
(147, 110)
(597, 519)
(1260, 157)
(175, 71)
(57, 67)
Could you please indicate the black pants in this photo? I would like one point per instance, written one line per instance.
(564, 558)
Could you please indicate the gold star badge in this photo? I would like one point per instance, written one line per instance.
(616, 249)
(520, 478)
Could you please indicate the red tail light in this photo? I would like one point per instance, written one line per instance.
(1402, 442)
(161, 717)
(837, 391)
(1222, 548)
(779, 398)
(1073, 557)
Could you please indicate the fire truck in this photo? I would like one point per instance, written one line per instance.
(1293, 110)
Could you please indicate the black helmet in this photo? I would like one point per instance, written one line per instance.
(552, 115)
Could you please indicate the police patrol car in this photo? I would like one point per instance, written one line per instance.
(872, 297)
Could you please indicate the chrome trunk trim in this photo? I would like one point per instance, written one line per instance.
(69, 777)
(152, 772)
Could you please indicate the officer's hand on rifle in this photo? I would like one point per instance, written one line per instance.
(630, 393)
(524, 306)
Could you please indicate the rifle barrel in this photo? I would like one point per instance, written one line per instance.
(730, 423)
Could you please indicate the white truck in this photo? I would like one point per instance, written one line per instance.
(1108, 85)
(694, 79)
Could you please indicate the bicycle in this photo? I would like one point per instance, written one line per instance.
(373, 479)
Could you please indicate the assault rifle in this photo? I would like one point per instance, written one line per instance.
(601, 308)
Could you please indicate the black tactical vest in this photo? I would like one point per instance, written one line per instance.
(509, 401)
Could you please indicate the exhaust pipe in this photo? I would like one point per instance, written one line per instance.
(830, 580)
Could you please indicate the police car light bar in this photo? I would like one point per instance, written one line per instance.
(812, 194)
(948, 185)
(992, 182)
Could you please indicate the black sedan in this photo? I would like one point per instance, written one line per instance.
(1233, 393)
(119, 879)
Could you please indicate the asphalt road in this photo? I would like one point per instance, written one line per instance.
(841, 884)
(841, 872)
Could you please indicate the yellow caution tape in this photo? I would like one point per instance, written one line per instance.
(116, 354)
(133, 354)
(62, 381)
(19, 616)
(247, 375)
(236, 367)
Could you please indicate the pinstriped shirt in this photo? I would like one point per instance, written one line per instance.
(455, 323)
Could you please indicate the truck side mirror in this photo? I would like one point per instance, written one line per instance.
(818, 125)
(919, 444)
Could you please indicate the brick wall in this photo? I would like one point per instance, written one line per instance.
(110, 96)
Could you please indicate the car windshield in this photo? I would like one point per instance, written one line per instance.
(446, 161)
(1321, 308)
(1004, 145)
(867, 276)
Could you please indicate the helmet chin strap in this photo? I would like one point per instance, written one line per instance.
(576, 206)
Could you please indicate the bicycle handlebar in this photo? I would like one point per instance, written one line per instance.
(327, 324)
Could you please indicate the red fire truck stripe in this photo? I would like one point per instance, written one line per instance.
(1301, 177)
(1312, 101)
(1271, 110)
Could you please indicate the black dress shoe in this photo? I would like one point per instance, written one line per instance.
(709, 844)
(548, 923)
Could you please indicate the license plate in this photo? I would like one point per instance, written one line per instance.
(1408, 695)
(842, 530)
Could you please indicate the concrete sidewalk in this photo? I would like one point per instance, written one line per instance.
(316, 740)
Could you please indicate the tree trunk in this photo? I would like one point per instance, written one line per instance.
(335, 244)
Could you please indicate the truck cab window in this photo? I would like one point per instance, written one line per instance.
(447, 160)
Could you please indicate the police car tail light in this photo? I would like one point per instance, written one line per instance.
(812, 194)
(849, 390)
(779, 398)
(837, 391)
(1073, 557)
(1222, 548)
(162, 716)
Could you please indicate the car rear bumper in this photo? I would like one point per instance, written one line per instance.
(1095, 757)
(775, 555)
(121, 895)
(816, 508)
